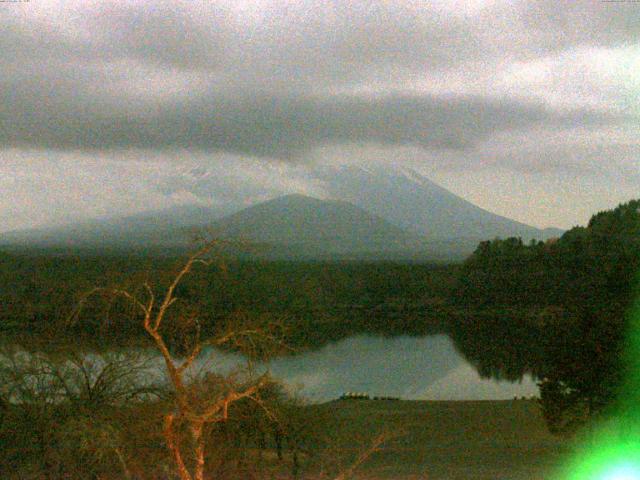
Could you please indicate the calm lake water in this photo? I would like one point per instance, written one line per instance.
(412, 368)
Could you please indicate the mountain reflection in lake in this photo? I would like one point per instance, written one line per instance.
(412, 368)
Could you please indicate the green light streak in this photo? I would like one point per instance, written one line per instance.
(612, 450)
(606, 460)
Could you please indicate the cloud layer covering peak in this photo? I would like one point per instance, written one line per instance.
(465, 92)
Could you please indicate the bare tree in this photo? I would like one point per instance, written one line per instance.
(59, 406)
(196, 405)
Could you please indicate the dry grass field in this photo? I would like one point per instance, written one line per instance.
(488, 440)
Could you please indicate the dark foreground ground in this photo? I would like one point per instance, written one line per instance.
(489, 440)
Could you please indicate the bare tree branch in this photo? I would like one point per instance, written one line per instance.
(374, 446)
(173, 445)
(192, 409)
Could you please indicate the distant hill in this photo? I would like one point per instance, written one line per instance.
(370, 213)
(414, 203)
(170, 227)
(308, 226)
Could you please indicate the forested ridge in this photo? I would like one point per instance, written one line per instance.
(558, 309)
(318, 301)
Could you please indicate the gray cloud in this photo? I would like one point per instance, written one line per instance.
(539, 89)
(307, 37)
(267, 82)
(564, 24)
(265, 125)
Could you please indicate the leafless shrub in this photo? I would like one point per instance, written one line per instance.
(57, 410)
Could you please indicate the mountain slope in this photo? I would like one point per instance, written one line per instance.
(317, 226)
(375, 210)
(413, 202)
(165, 227)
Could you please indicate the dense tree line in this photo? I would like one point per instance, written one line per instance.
(557, 309)
(320, 301)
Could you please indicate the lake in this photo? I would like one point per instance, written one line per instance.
(412, 368)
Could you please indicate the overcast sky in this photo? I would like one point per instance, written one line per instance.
(529, 109)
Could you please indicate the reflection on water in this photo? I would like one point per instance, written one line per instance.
(413, 368)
